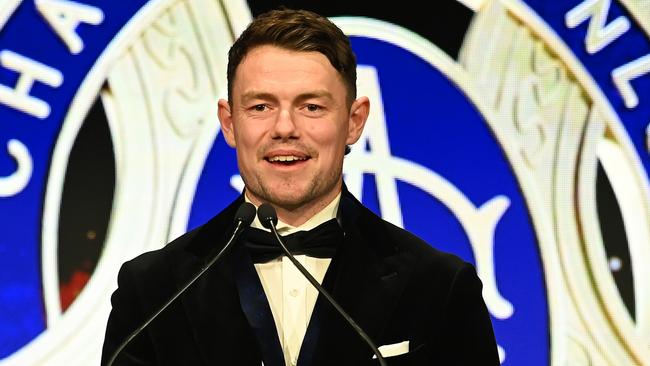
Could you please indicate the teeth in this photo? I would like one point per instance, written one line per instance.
(286, 158)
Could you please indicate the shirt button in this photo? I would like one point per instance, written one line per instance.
(293, 292)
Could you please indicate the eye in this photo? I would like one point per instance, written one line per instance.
(260, 107)
(313, 107)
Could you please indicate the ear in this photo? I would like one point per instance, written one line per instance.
(358, 116)
(225, 118)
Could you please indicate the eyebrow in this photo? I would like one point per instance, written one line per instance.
(314, 94)
(301, 97)
(258, 95)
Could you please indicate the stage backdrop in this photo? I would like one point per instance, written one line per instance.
(514, 133)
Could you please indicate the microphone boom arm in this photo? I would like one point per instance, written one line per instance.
(329, 298)
(238, 230)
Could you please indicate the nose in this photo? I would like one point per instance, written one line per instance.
(285, 126)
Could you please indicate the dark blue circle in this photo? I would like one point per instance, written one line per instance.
(431, 122)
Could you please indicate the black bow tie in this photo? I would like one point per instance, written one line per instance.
(320, 242)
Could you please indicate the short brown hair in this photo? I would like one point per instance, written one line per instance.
(297, 30)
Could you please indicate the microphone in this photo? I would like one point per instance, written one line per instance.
(243, 218)
(268, 217)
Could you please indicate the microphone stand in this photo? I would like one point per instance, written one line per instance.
(270, 223)
(244, 218)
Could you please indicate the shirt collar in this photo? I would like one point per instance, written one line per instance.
(326, 214)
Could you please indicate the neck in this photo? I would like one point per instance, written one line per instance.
(296, 216)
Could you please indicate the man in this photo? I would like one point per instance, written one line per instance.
(291, 113)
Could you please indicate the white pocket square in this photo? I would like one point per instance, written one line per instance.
(395, 349)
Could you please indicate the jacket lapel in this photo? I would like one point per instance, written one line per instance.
(256, 307)
(366, 277)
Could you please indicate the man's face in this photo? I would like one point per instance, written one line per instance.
(289, 122)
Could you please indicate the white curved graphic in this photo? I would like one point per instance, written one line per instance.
(508, 44)
(13, 184)
(7, 8)
(151, 198)
(479, 223)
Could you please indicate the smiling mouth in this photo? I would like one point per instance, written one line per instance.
(286, 160)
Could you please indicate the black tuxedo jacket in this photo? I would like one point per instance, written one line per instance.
(393, 284)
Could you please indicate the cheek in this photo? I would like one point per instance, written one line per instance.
(248, 139)
(331, 144)
(328, 134)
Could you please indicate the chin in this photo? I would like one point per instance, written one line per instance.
(288, 199)
(289, 196)
(291, 193)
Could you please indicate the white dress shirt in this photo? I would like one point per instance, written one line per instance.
(290, 295)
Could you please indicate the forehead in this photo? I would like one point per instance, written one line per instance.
(272, 69)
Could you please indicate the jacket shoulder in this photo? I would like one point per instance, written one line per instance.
(428, 254)
(392, 238)
(152, 262)
(197, 243)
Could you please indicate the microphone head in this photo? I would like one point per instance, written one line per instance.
(245, 213)
(266, 214)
